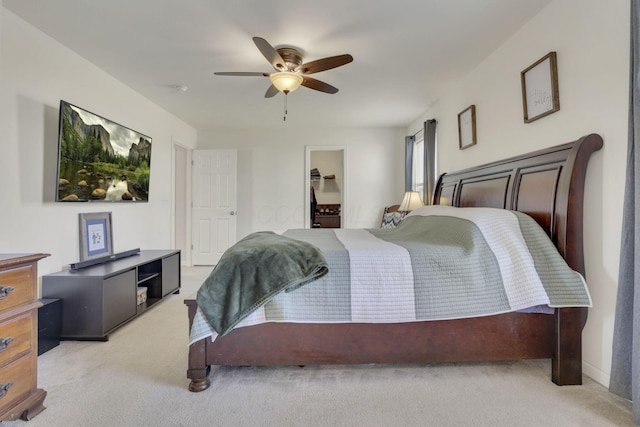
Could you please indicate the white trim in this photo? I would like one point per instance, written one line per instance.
(185, 258)
(596, 374)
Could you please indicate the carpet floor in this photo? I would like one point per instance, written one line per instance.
(138, 378)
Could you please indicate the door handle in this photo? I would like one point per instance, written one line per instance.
(233, 213)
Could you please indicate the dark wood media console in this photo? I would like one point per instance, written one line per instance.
(97, 300)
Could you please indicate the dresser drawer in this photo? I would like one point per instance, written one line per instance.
(19, 374)
(21, 280)
(16, 336)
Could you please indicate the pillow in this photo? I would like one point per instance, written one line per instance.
(392, 219)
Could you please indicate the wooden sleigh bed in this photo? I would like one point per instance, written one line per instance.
(548, 185)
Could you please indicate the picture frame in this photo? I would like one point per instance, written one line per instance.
(467, 127)
(540, 94)
(96, 235)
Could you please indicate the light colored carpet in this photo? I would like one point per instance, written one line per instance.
(138, 378)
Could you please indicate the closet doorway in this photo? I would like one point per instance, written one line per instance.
(325, 184)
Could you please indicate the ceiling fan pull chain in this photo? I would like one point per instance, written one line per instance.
(284, 118)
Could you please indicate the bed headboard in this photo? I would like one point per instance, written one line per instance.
(547, 184)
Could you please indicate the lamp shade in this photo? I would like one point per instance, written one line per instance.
(411, 201)
(286, 81)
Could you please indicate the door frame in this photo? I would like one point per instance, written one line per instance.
(181, 176)
(307, 181)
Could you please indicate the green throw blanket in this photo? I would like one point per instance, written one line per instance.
(252, 272)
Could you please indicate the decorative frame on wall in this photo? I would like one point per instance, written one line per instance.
(540, 95)
(467, 127)
(96, 236)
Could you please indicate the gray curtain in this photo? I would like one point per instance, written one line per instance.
(408, 162)
(430, 172)
(625, 366)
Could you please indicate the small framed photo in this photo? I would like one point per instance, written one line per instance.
(540, 96)
(467, 127)
(96, 238)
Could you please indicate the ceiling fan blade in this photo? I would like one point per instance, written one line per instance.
(324, 64)
(270, 53)
(239, 73)
(318, 85)
(271, 92)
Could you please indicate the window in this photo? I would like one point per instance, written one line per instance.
(417, 180)
(420, 161)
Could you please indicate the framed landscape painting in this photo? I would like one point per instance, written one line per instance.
(100, 160)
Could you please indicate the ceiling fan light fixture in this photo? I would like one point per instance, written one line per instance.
(286, 81)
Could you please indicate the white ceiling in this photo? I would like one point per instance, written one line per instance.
(405, 52)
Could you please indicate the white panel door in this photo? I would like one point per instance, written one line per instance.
(214, 204)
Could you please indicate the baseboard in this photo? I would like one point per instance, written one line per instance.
(596, 374)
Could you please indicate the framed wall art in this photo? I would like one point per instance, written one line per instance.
(540, 96)
(96, 238)
(467, 127)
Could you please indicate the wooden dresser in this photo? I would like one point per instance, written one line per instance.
(19, 395)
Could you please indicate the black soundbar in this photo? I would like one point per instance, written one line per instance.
(88, 263)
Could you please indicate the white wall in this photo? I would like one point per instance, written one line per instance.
(591, 38)
(271, 173)
(35, 73)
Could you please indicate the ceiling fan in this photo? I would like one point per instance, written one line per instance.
(291, 72)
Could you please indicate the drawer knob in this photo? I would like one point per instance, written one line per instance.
(4, 389)
(4, 291)
(4, 343)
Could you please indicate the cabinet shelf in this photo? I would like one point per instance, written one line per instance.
(141, 308)
(144, 277)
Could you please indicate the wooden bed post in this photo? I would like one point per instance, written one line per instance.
(566, 363)
(198, 371)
